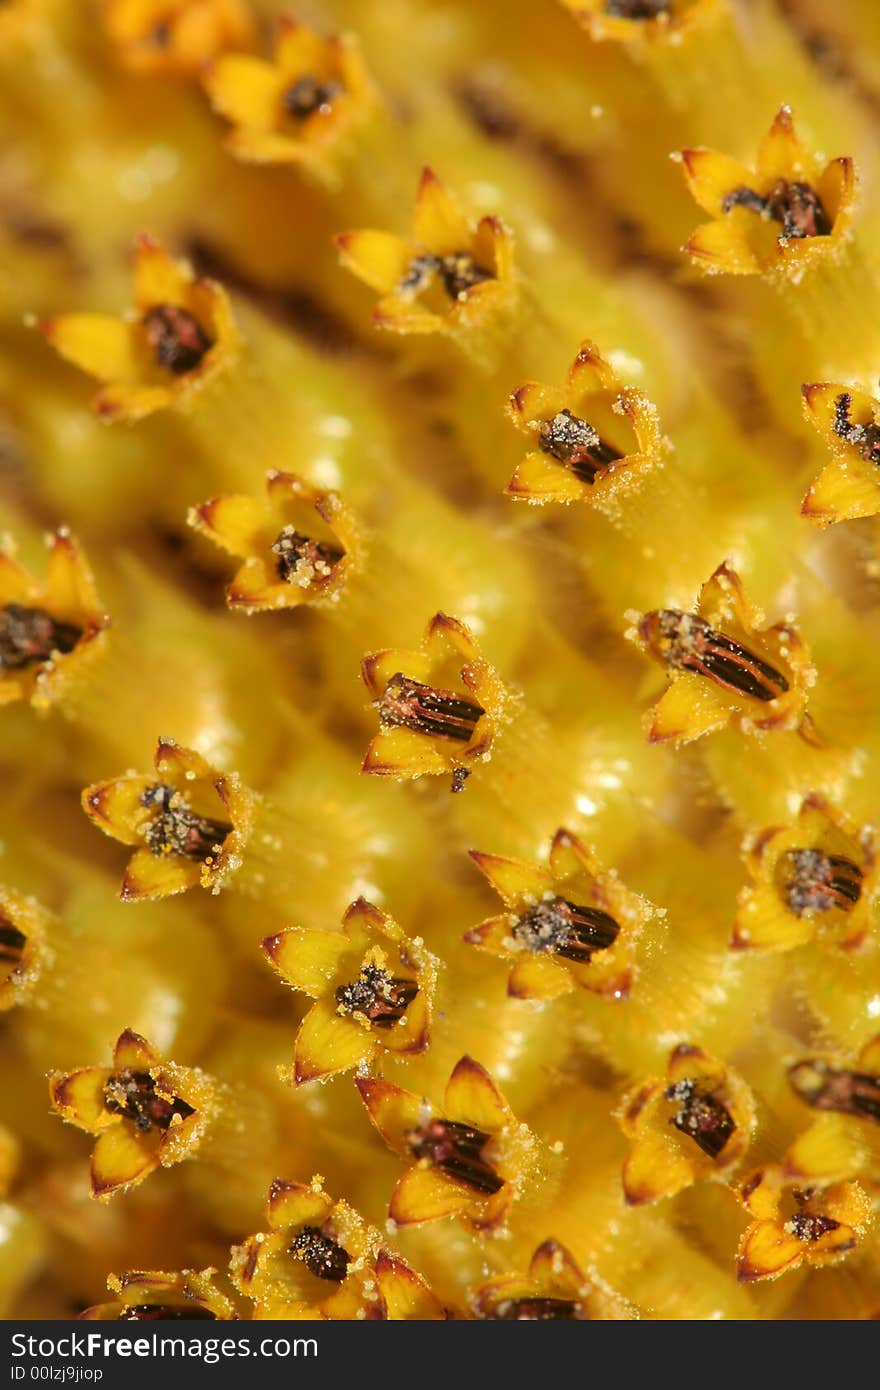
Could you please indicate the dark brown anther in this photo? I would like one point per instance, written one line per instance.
(835, 1088)
(458, 273)
(817, 882)
(864, 438)
(536, 1310)
(809, 1227)
(165, 1312)
(30, 636)
(687, 643)
(133, 1095)
(457, 1149)
(12, 943)
(179, 343)
(796, 206)
(377, 995)
(443, 714)
(459, 777)
(565, 929)
(637, 9)
(307, 95)
(175, 829)
(576, 444)
(302, 560)
(321, 1255)
(700, 1116)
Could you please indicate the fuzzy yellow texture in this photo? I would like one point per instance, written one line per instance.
(522, 116)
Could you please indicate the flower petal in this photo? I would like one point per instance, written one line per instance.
(117, 808)
(766, 1250)
(539, 478)
(439, 225)
(158, 277)
(538, 977)
(328, 1043)
(404, 753)
(782, 154)
(308, 960)
(688, 709)
(654, 1168)
(378, 258)
(79, 1097)
(149, 875)
(513, 879)
(472, 1096)
(239, 523)
(844, 490)
(297, 1204)
(720, 247)
(119, 1160)
(245, 90)
(70, 586)
(763, 922)
(392, 1110)
(107, 348)
(426, 1194)
(405, 1294)
(711, 176)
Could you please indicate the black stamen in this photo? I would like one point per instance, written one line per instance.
(179, 343)
(809, 1227)
(307, 95)
(304, 561)
(132, 1094)
(795, 205)
(700, 1116)
(690, 644)
(458, 273)
(30, 636)
(536, 1310)
(12, 943)
(864, 438)
(165, 1312)
(321, 1255)
(834, 1088)
(176, 829)
(637, 9)
(576, 444)
(565, 929)
(458, 1150)
(442, 713)
(818, 882)
(377, 995)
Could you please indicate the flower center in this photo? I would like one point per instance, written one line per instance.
(12, 943)
(303, 561)
(178, 341)
(457, 273)
(536, 1310)
(576, 444)
(308, 95)
(320, 1255)
(164, 1312)
(817, 882)
(700, 1116)
(834, 1088)
(637, 9)
(565, 929)
(457, 1149)
(864, 438)
(30, 636)
(377, 995)
(685, 642)
(796, 206)
(441, 713)
(176, 829)
(808, 1226)
(132, 1094)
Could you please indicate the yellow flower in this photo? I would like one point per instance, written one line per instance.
(781, 216)
(24, 946)
(724, 668)
(189, 823)
(569, 925)
(846, 1093)
(316, 1261)
(554, 1288)
(471, 1161)
(848, 420)
(298, 543)
(372, 987)
(427, 725)
(448, 278)
(49, 632)
(180, 336)
(144, 1112)
(595, 436)
(816, 878)
(302, 107)
(796, 1225)
(175, 36)
(693, 1124)
(642, 21)
(406, 1296)
(155, 1296)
